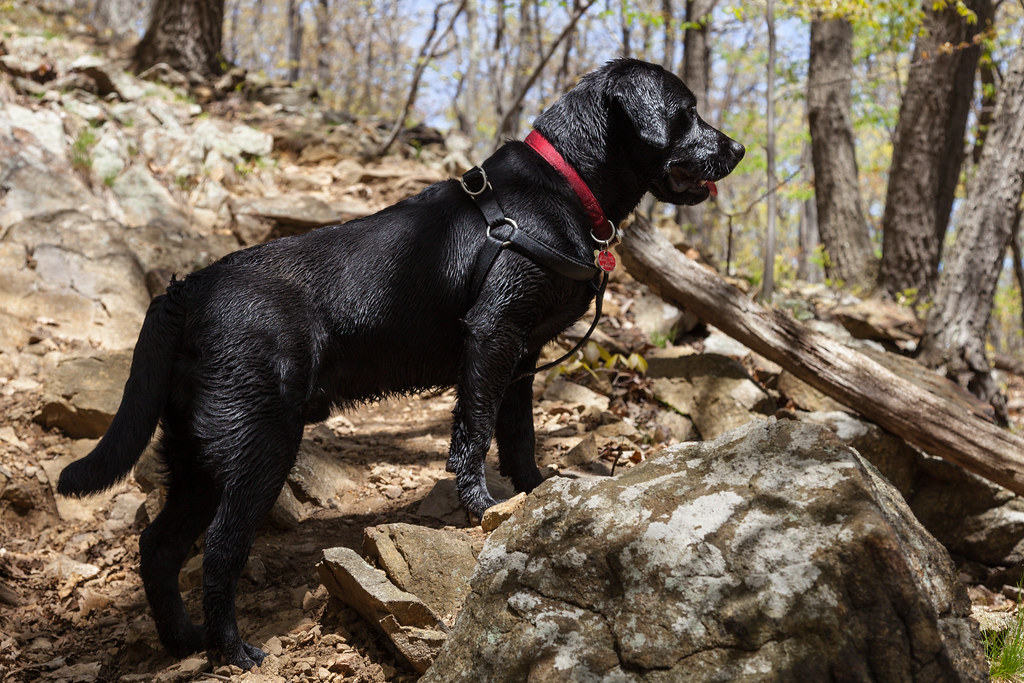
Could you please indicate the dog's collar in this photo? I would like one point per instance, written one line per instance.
(602, 230)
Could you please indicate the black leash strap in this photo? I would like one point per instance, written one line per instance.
(503, 232)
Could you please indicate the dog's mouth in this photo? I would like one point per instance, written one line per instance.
(679, 186)
(681, 181)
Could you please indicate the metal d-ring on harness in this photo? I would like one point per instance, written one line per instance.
(504, 232)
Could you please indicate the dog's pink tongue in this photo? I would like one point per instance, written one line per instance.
(712, 187)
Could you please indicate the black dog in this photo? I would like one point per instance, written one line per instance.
(237, 357)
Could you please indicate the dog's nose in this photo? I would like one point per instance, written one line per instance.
(737, 150)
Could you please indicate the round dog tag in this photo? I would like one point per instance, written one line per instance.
(605, 260)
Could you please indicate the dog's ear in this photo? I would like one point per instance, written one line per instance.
(640, 93)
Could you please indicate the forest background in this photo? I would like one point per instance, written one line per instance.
(864, 121)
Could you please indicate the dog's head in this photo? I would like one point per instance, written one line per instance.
(663, 115)
(648, 120)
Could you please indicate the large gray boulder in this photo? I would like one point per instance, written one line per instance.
(772, 553)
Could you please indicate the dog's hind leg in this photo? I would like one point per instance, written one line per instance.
(514, 431)
(192, 499)
(260, 468)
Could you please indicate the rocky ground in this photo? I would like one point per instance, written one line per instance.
(181, 174)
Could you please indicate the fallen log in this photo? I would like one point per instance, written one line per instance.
(936, 425)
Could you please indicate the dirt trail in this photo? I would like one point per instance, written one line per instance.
(395, 451)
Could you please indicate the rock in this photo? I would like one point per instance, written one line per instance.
(19, 496)
(414, 629)
(664, 363)
(580, 454)
(496, 514)
(143, 199)
(288, 96)
(64, 567)
(660, 320)
(804, 396)
(110, 154)
(44, 124)
(71, 509)
(319, 474)
(124, 510)
(586, 401)
(36, 182)
(714, 391)
(880, 320)
(79, 273)
(83, 394)
(235, 142)
(677, 427)
(109, 78)
(442, 502)
(975, 519)
(287, 511)
(992, 622)
(433, 564)
(771, 553)
(724, 345)
(895, 459)
(263, 218)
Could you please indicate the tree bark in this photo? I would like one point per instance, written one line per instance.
(322, 14)
(1018, 262)
(696, 75)
(928, 149)
(957, 325)
(841, 225)
(294, 12)
(808, 229)
(186, 34)
(768, 275)
(937, 425)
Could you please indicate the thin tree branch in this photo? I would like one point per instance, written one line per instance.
(525, 88)
(428, 52)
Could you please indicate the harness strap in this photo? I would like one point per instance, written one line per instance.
(504, 232)
(476, 185)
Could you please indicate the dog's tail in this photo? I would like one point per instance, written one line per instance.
(145, 395)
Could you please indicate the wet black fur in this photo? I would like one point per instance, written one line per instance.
(237, 357)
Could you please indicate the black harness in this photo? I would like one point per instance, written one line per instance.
(504, 232)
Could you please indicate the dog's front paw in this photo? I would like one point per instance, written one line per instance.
(478, 502)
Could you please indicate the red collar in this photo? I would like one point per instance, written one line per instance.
(602, 229)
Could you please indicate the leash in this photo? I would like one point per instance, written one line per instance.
(503, 232)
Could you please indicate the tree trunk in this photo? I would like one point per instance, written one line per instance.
(1018, 262)
(322, 13)
(696, 75)
(841, 225)
(768, 276)
(951, 429)
(928, 149)
(808, 229)
(186, 34)
(957, 324)
(294, 40)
